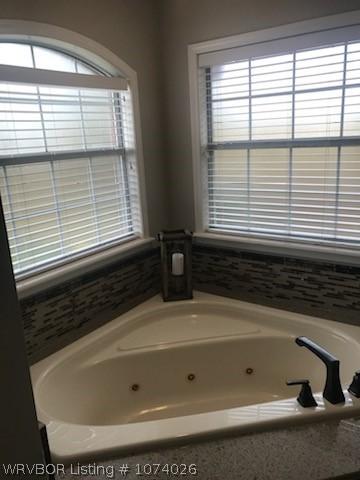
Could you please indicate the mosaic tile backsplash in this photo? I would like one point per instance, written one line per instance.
(62, 314)
(59, 316)
(303, 286)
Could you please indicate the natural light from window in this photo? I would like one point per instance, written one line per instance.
(67, 161)
(282, 136)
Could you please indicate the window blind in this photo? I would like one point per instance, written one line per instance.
(281, 137)
(37, 119)
(68, 178)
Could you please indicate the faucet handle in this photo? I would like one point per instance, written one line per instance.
(354, 388)
(305, 397)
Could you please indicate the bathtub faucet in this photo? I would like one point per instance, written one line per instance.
(333, 390)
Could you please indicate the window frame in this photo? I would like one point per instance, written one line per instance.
(100, 58)
(226, 46)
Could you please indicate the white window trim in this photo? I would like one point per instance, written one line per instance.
(278, 247)
(202, 235)
(95, 54)
(81, 266)
(12, 74)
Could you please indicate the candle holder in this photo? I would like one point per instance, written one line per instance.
(176, 276)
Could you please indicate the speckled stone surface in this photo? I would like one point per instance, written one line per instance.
(316, 451)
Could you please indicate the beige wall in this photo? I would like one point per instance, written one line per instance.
(130, 29)
(190, 21)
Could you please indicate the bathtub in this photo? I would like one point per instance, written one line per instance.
(171, 372)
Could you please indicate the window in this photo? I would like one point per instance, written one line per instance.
(280, 137)
(68, 177)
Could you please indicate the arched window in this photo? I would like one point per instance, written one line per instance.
(68, 177)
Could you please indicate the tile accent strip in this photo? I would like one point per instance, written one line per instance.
(61, 315)
(304, 286)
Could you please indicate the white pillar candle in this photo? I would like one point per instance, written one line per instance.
(177, 264)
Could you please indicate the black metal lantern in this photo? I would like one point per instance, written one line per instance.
(176, 277)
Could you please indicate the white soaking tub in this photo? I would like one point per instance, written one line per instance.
(178, 370)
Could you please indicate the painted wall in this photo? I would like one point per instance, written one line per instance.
(191, 21)
(19, 434)
(130, 29)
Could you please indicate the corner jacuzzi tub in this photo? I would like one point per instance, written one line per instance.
(169, 371)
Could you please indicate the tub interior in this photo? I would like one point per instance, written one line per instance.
(184, 324)
(182, 361)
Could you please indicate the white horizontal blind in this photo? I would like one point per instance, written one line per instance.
(68, 177)
(36, 119)
(283, 144)
(58, 208)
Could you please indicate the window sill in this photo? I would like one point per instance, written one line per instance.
(282, 248)
(51, 278)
